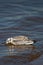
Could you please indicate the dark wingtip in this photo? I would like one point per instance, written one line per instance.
(34, 41)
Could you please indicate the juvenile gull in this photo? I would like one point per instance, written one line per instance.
(18, 42)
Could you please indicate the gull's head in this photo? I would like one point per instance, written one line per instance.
(9, 40)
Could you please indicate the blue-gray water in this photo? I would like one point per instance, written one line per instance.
(21, 17)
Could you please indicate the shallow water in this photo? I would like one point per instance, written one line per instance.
(22, 17)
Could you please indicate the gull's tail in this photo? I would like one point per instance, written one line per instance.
(35, 41)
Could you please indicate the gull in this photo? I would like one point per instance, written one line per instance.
(18, 41)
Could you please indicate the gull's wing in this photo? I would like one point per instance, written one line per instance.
(18, 42)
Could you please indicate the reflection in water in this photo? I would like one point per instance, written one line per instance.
(22, 58)
(20, 49)
(20, 54)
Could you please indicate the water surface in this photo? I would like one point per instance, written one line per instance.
(21, 17)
